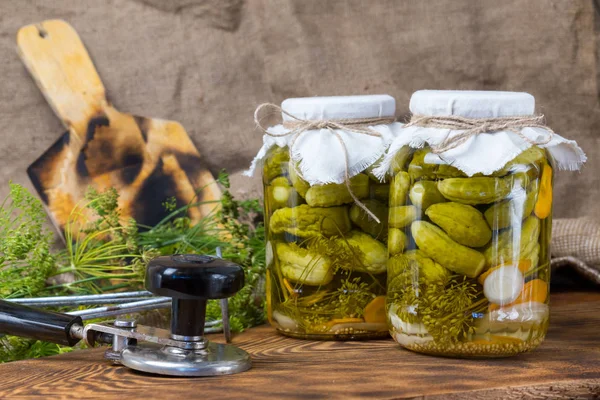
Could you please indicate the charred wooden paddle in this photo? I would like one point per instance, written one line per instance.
(147, 160)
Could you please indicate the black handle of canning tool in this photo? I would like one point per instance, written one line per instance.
(20, 320)
(191, 280)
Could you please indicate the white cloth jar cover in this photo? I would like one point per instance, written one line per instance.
(486, 152)
(319, 154)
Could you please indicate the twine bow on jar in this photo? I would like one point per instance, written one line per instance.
(474, 126)
(297, 126)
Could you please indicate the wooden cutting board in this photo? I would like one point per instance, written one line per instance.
(147, 160)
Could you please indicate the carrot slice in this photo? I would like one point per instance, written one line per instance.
(543, 206)
(375, 310)
(536, 290)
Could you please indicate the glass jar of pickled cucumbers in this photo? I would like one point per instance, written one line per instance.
(468, 274)
(327, 259)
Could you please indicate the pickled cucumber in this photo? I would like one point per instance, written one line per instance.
(380, 191)
(402, 216)
(502, 249)
(418, 169)
(415, 265)
(276, 164)
(299, 184)
(306, 221)
(463, 223)
(478, 190)
(519, 207)
(529, 161)
(397, 241)
(435, 243)
(399, 189)
(281, 194)
(425, 193)
(371, 254)
(361, 219)
(334, 194)
(301, 265)
(400, 160)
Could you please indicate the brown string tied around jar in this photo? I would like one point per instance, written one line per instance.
(475, 126)
(298, 126)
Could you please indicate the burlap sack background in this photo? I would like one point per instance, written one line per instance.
(208, 63)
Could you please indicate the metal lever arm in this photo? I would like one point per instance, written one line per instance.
(19, 320)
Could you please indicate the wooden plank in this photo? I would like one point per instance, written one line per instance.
(566, 365)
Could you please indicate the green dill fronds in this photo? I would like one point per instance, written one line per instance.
(13, 348)
(25, 258)
(352, 298)
(447, 312)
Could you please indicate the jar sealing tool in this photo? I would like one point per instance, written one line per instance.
(185, 282)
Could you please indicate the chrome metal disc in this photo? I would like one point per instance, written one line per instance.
(216, 359)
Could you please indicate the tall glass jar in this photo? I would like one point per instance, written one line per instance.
(327, 259)
(468, 274)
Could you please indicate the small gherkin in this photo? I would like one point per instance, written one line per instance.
(501, 215)
(299, 184)
(476, 190)
(305, 221)
(276, 164)
(419, 169)
(371, 254)
(463, 223)
(502, 248)
(302, 265)
(334, 194)
(397, 241)
(424, 193)
(435, 243)
(361, 219)
(399, 189)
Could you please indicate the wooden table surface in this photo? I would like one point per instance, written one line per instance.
(567, 365)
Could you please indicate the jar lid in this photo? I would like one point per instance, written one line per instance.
(483, 153)
(339, 107)
(472, 103)
(326, 155)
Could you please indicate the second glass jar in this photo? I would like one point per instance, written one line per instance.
(469, 256)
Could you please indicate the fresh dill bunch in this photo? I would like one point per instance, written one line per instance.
(106, 206)
(106, 254)
(25, 257)
(246, 247)
(101, 253)
(223, 179)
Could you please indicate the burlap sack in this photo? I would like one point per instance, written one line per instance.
(576, 245)
(208, 63)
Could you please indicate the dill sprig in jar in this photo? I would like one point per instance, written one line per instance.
(326, 215)
(470, 223)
